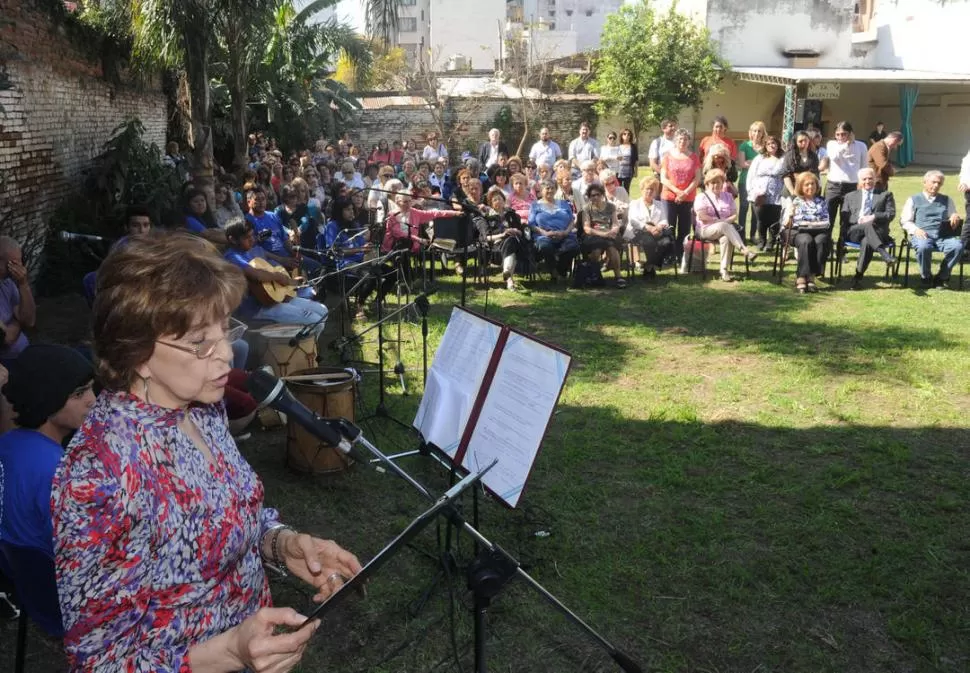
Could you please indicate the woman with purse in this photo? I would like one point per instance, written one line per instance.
(807, 227)
(716, 215)
(765, 186)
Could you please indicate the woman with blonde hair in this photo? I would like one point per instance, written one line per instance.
(719, 156)
(748, 151)
(807, 228)
(716, 215)
(647, 227)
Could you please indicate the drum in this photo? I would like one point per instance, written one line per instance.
(329, 392)
(272, 346)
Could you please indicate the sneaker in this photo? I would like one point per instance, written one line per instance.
(752, 255)
(509, 284)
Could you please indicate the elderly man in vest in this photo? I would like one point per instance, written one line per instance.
(932, 223)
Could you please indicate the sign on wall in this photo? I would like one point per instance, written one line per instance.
(823, 90)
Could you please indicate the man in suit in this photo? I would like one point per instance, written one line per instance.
(879, 158)
(488, 152)
(868, 213)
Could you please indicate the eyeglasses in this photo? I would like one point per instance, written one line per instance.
(204, 349)
(611, 137)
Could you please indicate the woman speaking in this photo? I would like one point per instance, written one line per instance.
(160, 533)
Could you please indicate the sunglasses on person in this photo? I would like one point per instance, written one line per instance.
(204, 349)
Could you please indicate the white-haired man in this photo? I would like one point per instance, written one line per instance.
(488, 152)
(931, 220)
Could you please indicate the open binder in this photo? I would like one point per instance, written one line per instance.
(490, 394)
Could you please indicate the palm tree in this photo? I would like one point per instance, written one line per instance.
(381, 19)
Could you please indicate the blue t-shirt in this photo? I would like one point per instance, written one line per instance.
(29, 460)
(249, 305)
(194, 224)
(9, 301)
(268, 221)
(334, 236)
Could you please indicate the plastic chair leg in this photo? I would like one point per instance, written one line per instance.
(21, 642)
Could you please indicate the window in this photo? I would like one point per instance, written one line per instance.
(862, 16)
(407, 24)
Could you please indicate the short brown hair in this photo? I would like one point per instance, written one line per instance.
(803, 179)
(154, 286)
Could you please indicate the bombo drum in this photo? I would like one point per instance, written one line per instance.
(329, 392)
(272, 346)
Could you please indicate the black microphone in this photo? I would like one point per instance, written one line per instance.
(270, 391)
(302, 334)
(68, 237)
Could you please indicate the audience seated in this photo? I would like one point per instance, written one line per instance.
(648, 229)
(602, 233)
(808, 229)
(505, 232)
(716, 215)
(932, 222)
(554, 230)
(869, 214)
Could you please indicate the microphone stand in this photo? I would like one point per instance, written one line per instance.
(492, 568)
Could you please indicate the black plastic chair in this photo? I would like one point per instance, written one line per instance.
(905, 248)
(891, 269)
(35, 585)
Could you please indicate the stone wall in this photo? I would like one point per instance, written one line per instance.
(57, 117)
(471, 119)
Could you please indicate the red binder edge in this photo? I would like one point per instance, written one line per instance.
(466, 436)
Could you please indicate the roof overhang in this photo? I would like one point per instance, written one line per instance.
(789, 76)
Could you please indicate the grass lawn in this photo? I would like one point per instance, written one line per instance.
(737, 478)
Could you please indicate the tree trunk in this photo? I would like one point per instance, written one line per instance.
(239, 129)
(525, 126)
(197, 71)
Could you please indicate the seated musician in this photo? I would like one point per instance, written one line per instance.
(648, 228)
(505, 232)
(50, 388)
(293, 310)
(931, 220)
(274, 239)
(869, 214)
(199, 218)
(806, 226)
(17, 307)
(403, 227)
(138, 222)
(347, 242)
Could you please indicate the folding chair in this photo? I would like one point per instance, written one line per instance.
(35, 586)
(891, 269)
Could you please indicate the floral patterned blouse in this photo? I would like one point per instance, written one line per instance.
(156, 549)
(805, 212)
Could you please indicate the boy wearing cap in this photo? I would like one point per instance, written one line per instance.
(50, 388)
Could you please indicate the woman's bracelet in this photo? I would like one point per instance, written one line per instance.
(277, 562)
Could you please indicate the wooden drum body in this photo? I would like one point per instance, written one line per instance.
(273, 348)
(329, 392)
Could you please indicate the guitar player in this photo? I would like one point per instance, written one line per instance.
(293, 310)
(275, 242)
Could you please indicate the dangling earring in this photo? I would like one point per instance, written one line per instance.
(146, 381)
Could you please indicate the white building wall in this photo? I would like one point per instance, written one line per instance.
(758, 32)
(921, 35)
(586, 18)
(471, 29)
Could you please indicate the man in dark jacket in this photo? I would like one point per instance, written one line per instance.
(488, 152)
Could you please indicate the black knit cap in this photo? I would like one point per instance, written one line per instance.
(42, 379)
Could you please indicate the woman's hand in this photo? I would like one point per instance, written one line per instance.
(256, 648)
(321, 563)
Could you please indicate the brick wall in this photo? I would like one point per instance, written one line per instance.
(474, 118)
(57, 117)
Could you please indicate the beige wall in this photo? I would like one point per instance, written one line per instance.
(941, 121)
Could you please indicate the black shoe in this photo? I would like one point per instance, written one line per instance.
(888, 259)
(857, 281)
(926, 282)
(938, 282)
(650, 273)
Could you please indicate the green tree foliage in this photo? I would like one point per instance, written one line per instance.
(653, 65)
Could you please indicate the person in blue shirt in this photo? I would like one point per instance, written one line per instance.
(242, 249)
(199, 218)
(269, 230)
(50, 389)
